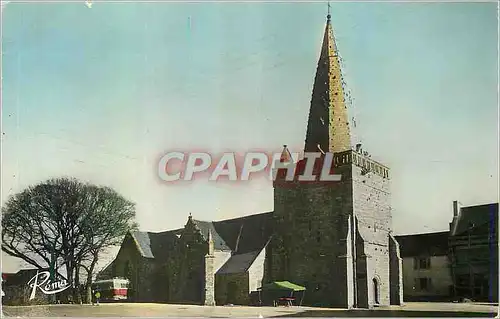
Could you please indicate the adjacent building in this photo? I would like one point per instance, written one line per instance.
(333, 238)
(18, 292)
(458, 264)
(473, 249)
(426, 267)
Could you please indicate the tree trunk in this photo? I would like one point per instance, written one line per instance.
(77, 295)
(89, 279)
(71, 282)
(88, 293)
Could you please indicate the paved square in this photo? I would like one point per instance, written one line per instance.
(169, 310)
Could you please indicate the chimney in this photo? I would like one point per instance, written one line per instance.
(456, 208)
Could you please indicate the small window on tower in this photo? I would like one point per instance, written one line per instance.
(318, 237)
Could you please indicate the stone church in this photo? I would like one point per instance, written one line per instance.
(333, 238)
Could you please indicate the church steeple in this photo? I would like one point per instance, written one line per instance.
(328, 125)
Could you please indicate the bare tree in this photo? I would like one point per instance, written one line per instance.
(65, 222)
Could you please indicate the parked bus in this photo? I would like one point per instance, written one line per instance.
(111, 289)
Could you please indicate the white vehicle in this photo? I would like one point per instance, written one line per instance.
(112, 289)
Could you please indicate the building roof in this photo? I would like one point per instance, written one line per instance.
(246, 234)
(204, 227)
(155, 245)
(245, 237)
(238, 263)
(473, 217)
(22, 277)
(430, 244)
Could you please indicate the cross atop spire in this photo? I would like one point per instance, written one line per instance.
(328, 14)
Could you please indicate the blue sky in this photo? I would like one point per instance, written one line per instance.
(102, 93)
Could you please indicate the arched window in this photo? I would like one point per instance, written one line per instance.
(376, 290)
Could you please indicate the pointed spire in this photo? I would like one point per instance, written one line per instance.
(211, 248)
(328, 124)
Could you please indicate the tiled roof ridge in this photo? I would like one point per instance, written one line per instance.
(442, 232)
(241, 217)
(157, 232)
(479, 205)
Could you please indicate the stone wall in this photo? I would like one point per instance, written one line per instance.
(312, 234)
(372, 208)
(187, 267)
(256, 272)
(310, 244)
(209, 280)
(221, 257)
(212, 265)
(141, 272)
(232, 289)
(395, 272)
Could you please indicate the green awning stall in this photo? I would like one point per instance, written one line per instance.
(282, 285)
(279, 289)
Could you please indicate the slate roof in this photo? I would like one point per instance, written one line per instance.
(245, 237)
(155, 245)
(430, 244)
(204, 227)
(475, 217)
(254, 232)
(238, 263)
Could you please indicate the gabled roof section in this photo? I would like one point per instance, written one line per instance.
(155, 245)
(239, 263)
(243, 235)
(430, 244)
(204, 228)
(475, 217)
(246, 234)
